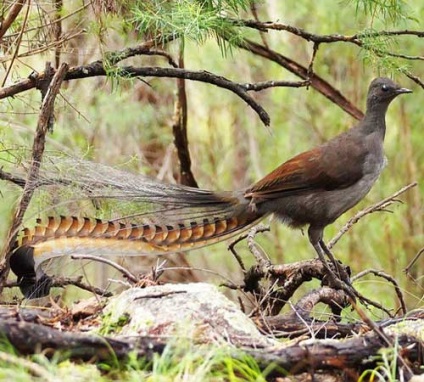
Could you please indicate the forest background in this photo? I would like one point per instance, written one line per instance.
(128, 122)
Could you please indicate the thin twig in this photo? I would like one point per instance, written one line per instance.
(259, 86)
(413, 261)
(259, 255)
(48, 25)
(366, 301)
(314, 54)
(389, 279)
(380, 206)
(330, 38)
(60, 282)
(160, 52)
(18, 44)
(146, 48)
(57, 28)
(231, 246)
(416, 79)
(256, 16)
(127, 274)
(315, 81)
(44, 48)
(64, 281)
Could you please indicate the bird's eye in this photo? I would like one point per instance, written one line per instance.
(384, 88)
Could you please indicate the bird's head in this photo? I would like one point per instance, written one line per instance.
(382, 91)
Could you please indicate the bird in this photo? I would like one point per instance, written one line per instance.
(313, 189)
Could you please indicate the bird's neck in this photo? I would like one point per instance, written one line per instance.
(375, 120)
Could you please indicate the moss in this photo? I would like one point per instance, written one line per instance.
(110, 325)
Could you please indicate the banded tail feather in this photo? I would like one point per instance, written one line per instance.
(65, 235)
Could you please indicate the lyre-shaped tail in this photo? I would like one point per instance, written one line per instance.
(155, 218)
(66, 235)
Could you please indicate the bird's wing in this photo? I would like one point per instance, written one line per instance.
(326, 167)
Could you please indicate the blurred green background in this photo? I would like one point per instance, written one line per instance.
(116, 121)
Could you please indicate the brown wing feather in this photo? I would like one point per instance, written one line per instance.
(337, 164)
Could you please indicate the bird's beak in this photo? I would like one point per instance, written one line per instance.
(403, 90)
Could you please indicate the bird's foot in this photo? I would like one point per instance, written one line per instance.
(336, 282)
(343, 272)
(337, 275)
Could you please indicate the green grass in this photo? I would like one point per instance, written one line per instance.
(180, 361)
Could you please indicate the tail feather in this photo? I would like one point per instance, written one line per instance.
(155, 218)
(68, 235)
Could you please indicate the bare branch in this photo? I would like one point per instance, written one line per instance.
(330, 38)
(18, 44)
(37, 153)
(335, 299)
(60, 282)
(12, 178)
(413, 261)
(231, 246)
(258, 86)
(261, 258)
(179, 128)
(316, 82)
(11, 16)
(416, 79)
(146, 48)
(125, 272)
(97, 69)
(387, 277)
(380, 206)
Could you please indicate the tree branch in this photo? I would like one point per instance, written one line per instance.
(11, 16)
(315, 81)
(97, 69)
(37, 153)
(380, 206)
(325, 39)
(125, 272)
(390, 279)
(179, 127)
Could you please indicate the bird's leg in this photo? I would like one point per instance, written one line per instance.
(337, 281)
(315, 237)
(340, 270)
(333, 278)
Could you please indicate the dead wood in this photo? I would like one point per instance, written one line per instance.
(30, 338)
(349, 358)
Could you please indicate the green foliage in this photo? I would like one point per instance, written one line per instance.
(375, 51)
(390, 11)
(193, 20)
(109, 327)
(182, 361)
(386, 369)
